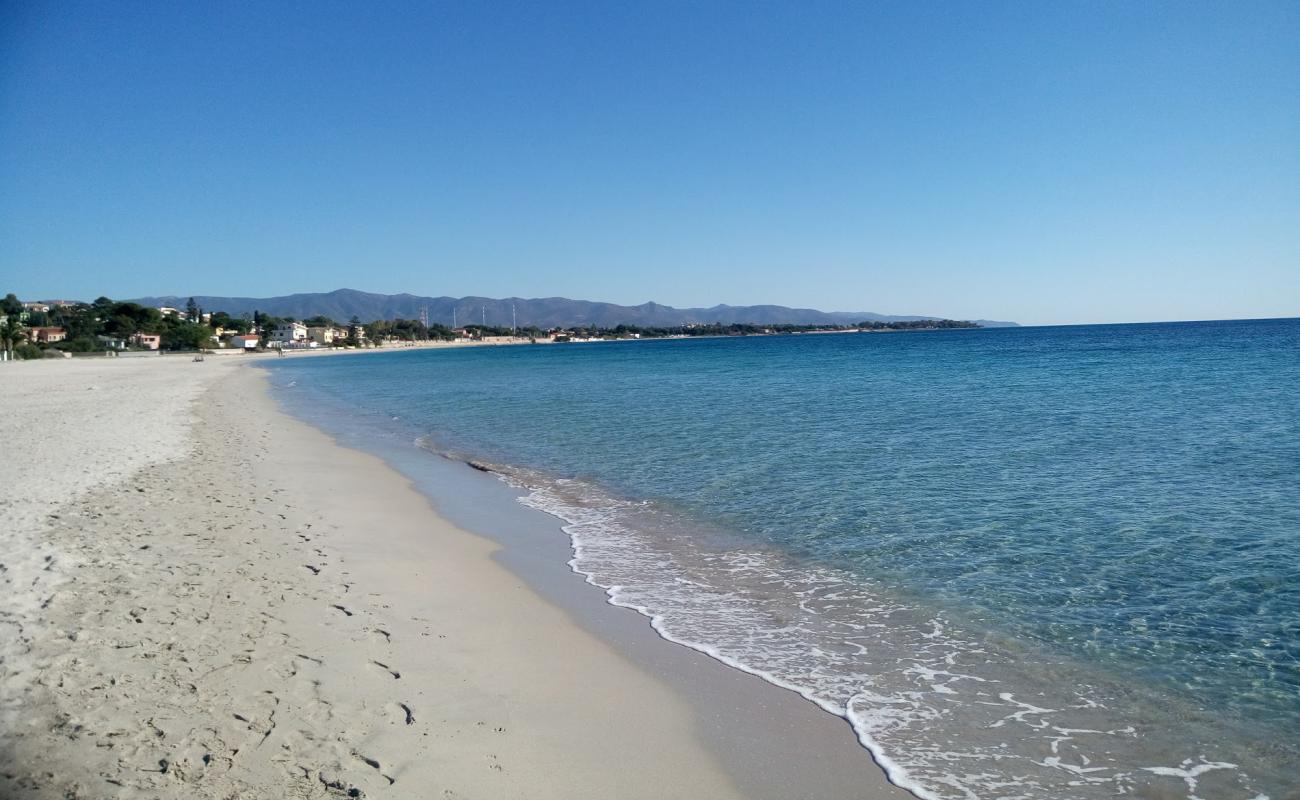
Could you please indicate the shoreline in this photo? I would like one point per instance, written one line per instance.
(734, 706)
(1102, 722)
(135, 674)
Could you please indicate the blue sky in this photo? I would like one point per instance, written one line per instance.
(1042, 162)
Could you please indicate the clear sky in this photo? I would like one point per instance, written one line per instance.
(1046, 162)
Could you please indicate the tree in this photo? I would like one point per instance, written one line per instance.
(28, 351)
(221, 319)
(192, 311)
(11, 305)
(124, 319)
(77, 320)
(439, 331)
(182, 335)
(10, 332)
(80, 344)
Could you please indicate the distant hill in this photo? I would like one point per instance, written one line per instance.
(548, 312)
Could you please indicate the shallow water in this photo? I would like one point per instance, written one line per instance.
(1043, 562)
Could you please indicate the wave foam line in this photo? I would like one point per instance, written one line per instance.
(895, 772)
(615, 565)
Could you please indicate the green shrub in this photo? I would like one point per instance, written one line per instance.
(81, 344)
(28, 351)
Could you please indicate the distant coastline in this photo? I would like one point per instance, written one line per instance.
(548, 312)
(37, 329)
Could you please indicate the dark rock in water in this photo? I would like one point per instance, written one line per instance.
(479, 467)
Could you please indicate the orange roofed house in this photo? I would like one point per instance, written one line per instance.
(47, 335)
(149, 341)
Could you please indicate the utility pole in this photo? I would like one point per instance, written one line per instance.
(482, 310)
(424, 320)
(453, 318)
(513, 326)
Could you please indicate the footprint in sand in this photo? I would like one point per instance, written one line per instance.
(373, 763)
(387, 668)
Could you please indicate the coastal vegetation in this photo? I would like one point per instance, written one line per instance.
(30, 330)
(37, 329)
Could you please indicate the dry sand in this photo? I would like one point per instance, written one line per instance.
(205, 598)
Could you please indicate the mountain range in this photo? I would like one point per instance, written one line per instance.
(547, 312)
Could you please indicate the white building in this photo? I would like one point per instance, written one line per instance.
(290, 333)
(244, 342)
(326, 334)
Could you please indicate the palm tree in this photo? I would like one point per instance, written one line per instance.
(10, 333)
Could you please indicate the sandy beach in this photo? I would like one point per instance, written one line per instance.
(207, 598)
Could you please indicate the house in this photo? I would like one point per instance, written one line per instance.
(111, 342)
(290, 333)
(247, 341)
(41, 307)
(326, 334)
(149, 341)
(47, 335)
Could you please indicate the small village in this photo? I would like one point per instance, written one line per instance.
(65, 328)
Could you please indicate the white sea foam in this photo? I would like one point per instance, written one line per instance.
(946, 714)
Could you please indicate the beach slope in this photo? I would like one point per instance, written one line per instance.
(207, 599)
(203, 597)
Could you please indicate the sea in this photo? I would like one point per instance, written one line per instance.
(1040, 562)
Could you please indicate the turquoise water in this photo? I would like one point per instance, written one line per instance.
(1037, 562)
